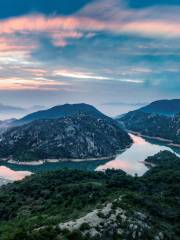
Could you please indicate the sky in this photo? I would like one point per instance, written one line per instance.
(115, 54)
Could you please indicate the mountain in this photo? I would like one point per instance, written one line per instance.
(164, 158)
(66, 110)
(163, 107)
(80, 136)
(80, 205)
(153, 125)
(157, 123)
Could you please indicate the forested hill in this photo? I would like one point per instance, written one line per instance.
(80, 205)
(61, 111)
(163, 107)
(153, 125)
(78, 137)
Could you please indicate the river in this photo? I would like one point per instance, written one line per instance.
(131, 161)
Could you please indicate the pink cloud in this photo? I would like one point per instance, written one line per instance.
(11, 43)
(103, 15)
(114, 16)
(36, 83)
(50, 25)
(154, 28)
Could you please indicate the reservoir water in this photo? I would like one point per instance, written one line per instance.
(131, 161)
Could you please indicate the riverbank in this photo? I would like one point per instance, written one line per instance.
(41, 162)
(129, 160)
(167, 141)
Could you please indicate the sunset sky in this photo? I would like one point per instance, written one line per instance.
(114, 54)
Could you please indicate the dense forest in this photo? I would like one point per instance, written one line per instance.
(146, 207)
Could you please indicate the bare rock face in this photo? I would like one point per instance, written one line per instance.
(112, 221)
(81, 136)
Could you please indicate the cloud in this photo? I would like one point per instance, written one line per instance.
(87, 75)
(103, 15)
(78, 75)
(107, 43)
(131, 80)
(116, 17)
(37, 83)
(164, 84)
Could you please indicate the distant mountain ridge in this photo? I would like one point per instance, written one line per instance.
(60, 111)
(163, 107)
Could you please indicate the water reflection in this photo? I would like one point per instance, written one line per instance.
(131, 161)
(7, 173)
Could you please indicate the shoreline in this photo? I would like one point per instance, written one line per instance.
(168, 141)
(61, 160)
(41, 162)
(148, 164)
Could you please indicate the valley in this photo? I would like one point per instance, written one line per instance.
(72, 173)
(90, 120)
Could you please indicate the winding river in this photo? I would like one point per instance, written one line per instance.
(131, 161)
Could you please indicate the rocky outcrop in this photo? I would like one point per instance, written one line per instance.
(112, 221)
